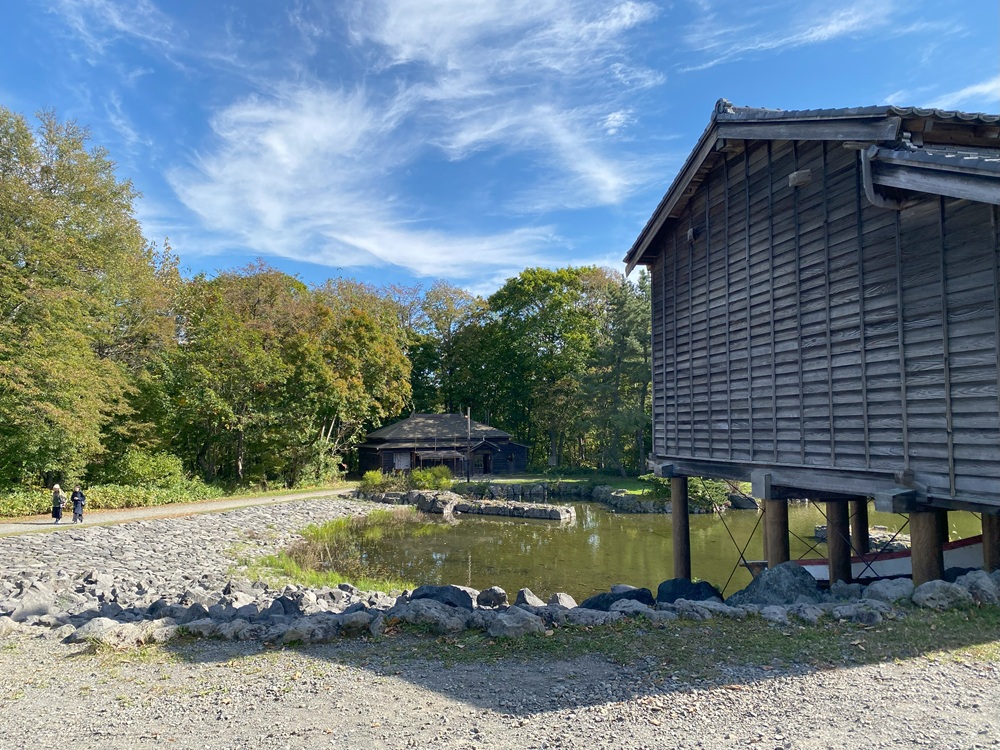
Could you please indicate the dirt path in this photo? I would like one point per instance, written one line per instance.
(38, 524)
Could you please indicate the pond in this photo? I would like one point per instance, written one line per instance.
(603, 548)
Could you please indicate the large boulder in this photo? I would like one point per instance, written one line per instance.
(516, 622)
(441, 618)
(603, 602)
(941, 595)
(890, 590)
(527, 597)
(981, 586)
(560, 599)
(684, 588)
(494, 596)
(453, 596)
(785, 584)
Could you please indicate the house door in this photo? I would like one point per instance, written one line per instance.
(487, 463)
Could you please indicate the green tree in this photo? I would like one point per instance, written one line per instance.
(79, 298)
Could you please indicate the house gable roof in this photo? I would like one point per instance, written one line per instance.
(443, 428)
(890, 130)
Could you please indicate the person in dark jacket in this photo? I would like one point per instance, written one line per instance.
(58, 501)
(79, 500)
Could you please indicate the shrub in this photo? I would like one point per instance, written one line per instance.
(138, 467)
(703, 494)
(434, 478)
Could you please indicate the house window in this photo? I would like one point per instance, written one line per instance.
(401, 461)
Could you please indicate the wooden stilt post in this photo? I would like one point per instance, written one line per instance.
(838, 540)
(681, 526)
(763, 529)
(991, 542)
(925, 546)
(776, 531)
(860, 541)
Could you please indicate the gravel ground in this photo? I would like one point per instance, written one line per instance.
(350, 694)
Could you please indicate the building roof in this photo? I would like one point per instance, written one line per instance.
(423, 429)
(950, 153)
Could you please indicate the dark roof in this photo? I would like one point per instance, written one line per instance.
(973, 136)
(420, 429)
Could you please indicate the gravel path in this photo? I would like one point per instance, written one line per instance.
(221, 694)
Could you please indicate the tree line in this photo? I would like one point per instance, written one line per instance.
(109, 353)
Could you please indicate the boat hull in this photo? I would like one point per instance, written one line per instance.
(962, 553)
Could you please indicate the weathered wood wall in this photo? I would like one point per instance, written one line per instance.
(803, 327)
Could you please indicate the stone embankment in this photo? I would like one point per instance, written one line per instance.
(450, 504)
(152, 582)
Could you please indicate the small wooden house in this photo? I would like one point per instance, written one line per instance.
(825, 311)
(452, 440)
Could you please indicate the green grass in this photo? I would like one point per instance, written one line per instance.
(707, 649)
(340, 551)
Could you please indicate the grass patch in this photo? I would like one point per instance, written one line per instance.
(341, 551)
(712, 649)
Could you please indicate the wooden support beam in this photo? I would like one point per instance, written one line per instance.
(925, 546)
(838, 541)
(681, 527)
(991, 542)
(860, 541)
(776, 532)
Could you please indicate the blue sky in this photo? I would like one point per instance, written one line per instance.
(399, 141)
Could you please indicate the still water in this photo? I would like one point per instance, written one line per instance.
(603, 548)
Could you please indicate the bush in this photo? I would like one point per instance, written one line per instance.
(434, 478)
(703, 494)
(141, 468)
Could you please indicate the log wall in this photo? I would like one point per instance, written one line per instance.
(802, 327)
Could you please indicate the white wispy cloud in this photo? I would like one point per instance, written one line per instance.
(313, 173)
(797, 25)
(98, 22)
(984, 96)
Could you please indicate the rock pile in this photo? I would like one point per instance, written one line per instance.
(123, 612)
(450, 503)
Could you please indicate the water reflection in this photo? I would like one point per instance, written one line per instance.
(603, 548)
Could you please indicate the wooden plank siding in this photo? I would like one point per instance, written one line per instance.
(805, 328)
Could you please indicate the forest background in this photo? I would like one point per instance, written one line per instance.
(116, 370)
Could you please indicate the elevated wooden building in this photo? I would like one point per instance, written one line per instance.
(826, 320)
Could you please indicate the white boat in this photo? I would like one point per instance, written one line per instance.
(962, 553)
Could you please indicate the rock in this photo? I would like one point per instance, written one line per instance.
(621, 588)
(941, 595)
(788, 583)
(453, 596)
(516, 622)
(525, 596)
(859, 612)
(776, 613)
(494, 596)
(163, 634)
(706, 609)
(842, 591)
(683, 588)
(603, 602)
(560, 599)
(231, 630)
(890, 590)
(806, 612)
(7, 626)
(356, 623)
(377, 625)
(631, 608)
(96, 629)
(482, 619)
(981, 586)
(591, 617)
(37, 600)
(205, 627)
(742, 502)
(441, 618)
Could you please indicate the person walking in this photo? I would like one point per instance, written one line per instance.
(58, 502)
(79, 500)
